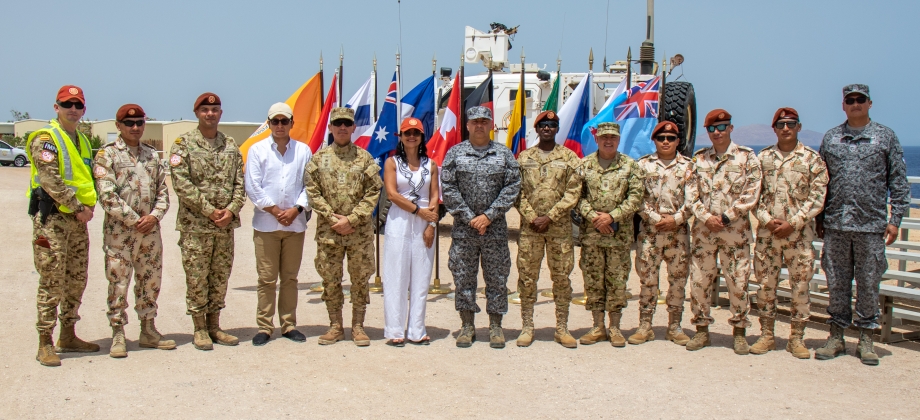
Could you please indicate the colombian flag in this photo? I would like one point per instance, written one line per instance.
(517, 127)
(306, 103)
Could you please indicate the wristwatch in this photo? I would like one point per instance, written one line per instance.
(433, 224)
(725, 220)
(299, 208)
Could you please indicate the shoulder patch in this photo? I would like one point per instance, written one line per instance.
(49, 146)
(175, 160)
(47, 156)
(99, 172)
(100, 154)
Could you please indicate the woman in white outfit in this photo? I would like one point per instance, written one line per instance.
(410, 228)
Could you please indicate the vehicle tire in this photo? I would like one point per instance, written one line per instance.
(20, 161)
(6, 163)
(680, 108)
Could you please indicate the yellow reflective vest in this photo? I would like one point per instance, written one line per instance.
(75, 165)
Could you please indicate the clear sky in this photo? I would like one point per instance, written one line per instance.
(749, 57)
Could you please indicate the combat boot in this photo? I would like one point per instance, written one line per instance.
(68, 342)
(796, 344)
(644, 333)
(562, 335)
(526, 337)
(467, 334)
(766, 341)
(496, 335)
(218, 335)
(835, 345)
(864, 350)
(201, 340)
(336, 332)
(675, 333)
(46, 355)
(357, 328)
(740, 343)
(700, 339)
(152, 339)
(616, 336)
(598, 332)
(119, 348)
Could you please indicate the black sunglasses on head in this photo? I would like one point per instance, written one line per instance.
(720, 127)
(132, 123)
(857, 99)
(280, 121)
(339, 123)
(80, 105)
(782, 124)
(666, 139)
(547, 124)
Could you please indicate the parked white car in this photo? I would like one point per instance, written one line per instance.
(10, 155)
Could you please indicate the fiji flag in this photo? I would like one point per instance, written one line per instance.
(636, 111)
(362, 102)
(382, 140)
(419, 103)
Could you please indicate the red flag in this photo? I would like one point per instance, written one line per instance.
(322, 126)
(448, 135)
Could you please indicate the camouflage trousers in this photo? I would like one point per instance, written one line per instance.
(769, 255)
(464, 258)
(207, 259)
(605, 270)
(361, 266)
(654, 248)
(736, 268)
(132, 254)
(849, 256)
(62, 268)
(560, 259)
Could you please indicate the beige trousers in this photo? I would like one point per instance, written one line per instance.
(278, 254)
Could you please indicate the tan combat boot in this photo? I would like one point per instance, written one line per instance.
(740, 342)
(336, 332)
(119, 347)
(675, 333)
(152, 339)
(700, 339)
(526, 337)
(616, 336)
(766, 341)
(201, 340)
(644, 333)
(562, 335)
(467, 334)
(598, 332)
(496, 335)
(46, 355)
(218, 335)
(68, 342)
(864, 349)
(357, 328)
(796, 344)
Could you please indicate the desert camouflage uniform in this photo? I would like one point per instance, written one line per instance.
(479, 182)
(205, 179)
(345, 181)
(618, 191)
(664, 195)
(550, 186)
(728, 184)
(131, 184)
(793, 190)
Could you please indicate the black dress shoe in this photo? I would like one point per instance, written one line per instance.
(295, 335)
(260, 339)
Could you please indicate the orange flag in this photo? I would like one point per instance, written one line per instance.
(306, 104)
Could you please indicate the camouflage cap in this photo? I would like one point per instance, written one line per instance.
(341, 113)
(856, 88)
(479, 112)
(608, 128)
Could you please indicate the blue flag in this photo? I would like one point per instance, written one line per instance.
(419, 103)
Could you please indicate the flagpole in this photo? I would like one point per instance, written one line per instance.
(374, 74)
(461, 125)
(377, 287)
(436, 288)
(341, 71)
(582, 300)
(628, 69)
(398, 92)
(318, 286)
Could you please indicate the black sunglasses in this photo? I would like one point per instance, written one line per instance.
(339, 123)
(132, 123)
(548, 124)
(720, 127)
(666, 139)
(80, 105)
(858, 100)
(782, 124)
(412, 132)
(282, 121)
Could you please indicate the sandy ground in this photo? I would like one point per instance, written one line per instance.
(655, 380)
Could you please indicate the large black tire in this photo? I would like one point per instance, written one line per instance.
(680, 108)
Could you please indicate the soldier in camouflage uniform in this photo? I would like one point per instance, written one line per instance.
(722, 192)
(343, 184)
(481, 181)
(550, 188)
(207, 176)
(794, 185)
(612, 192)
(663, 234)
(60, 162)
(131, 182)
(866, 166)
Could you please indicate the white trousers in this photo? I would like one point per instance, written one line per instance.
(406, 273)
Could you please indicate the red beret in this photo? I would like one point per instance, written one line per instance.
(665, 127)
(129, 111)
(785, 113)
(206, 98)
(68, 92)
(715, 116)
(545, 115)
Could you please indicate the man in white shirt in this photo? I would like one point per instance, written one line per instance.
(274, 183)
